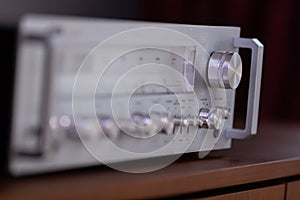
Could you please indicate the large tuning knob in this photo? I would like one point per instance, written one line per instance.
(225, 70)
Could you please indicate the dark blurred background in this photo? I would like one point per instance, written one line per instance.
(274, 22)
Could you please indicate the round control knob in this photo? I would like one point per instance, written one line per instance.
(211, 118)
(156, 122)
(109, 127)
(225, 70)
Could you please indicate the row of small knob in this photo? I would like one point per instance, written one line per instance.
(207, 118)
(142, 125)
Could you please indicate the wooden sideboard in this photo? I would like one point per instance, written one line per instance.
(266, 166)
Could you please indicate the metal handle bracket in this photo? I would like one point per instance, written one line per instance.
(254, 88)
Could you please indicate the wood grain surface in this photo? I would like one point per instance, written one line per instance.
(266, 193)
(273, 153)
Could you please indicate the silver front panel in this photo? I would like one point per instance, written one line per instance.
(46, 72)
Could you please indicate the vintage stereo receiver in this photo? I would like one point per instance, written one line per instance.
(131, 95)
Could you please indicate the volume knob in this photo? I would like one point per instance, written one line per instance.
(225, 70)
(211, 118)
